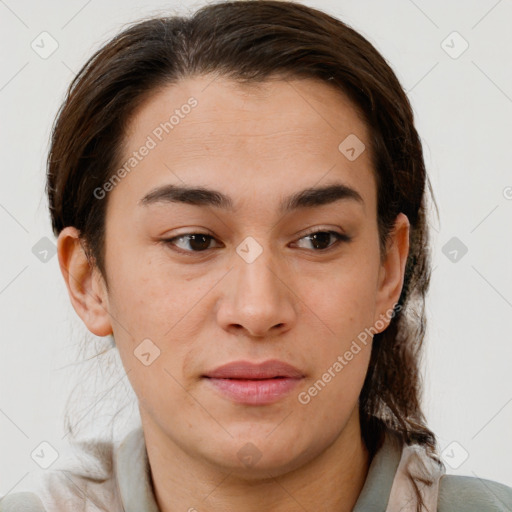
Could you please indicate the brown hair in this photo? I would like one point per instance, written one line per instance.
(250, 41)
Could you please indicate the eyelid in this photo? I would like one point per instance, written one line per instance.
(341, 237)
(321, 229)
(169, 241)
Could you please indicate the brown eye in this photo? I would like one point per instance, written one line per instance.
(320, 239)
(197, 242)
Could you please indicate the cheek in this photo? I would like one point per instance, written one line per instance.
(345, 350)
(155, 302)
(342, 352)
(146, 297)
(341, 309)
(343, 299)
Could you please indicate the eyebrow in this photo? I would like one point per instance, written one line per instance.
(202, 196)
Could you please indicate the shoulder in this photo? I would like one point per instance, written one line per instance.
(87, 484)
(61, 491)
(21, 502)
(473, 494)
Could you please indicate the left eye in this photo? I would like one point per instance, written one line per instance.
(200, 242)
(320, 238)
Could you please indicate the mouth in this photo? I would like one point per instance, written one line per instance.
(246, 370)
(254, 383)
(253, 391)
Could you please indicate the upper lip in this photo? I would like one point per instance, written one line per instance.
(248, 370)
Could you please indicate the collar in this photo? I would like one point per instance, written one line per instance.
(133, 474)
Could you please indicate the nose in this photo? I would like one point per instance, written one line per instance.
(258, 300)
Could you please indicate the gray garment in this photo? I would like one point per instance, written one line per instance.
(121, 482)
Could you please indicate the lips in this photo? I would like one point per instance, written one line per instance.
(254, 371)
(249, 383)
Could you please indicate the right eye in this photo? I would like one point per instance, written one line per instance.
(197, 242)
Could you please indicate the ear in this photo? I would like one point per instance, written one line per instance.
(86, 287)
(392, 271)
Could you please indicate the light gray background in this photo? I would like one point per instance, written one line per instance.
(463, 109)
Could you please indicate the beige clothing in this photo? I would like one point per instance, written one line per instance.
(119, 480)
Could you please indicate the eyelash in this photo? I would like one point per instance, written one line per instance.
(340, 237)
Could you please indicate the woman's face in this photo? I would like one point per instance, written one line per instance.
(277, 162)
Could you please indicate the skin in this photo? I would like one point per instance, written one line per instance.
(295, 302)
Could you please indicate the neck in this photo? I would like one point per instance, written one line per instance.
(332, 481)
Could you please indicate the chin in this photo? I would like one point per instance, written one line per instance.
(259, 459)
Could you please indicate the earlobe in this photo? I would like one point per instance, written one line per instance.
(85, 285)
(392, 271)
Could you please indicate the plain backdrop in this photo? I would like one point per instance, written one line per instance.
(454, 60)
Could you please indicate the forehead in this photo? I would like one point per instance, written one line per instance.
(266, 137)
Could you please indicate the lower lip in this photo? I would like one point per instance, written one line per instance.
(254, 392)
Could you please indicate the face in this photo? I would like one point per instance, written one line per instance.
(275, 261)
